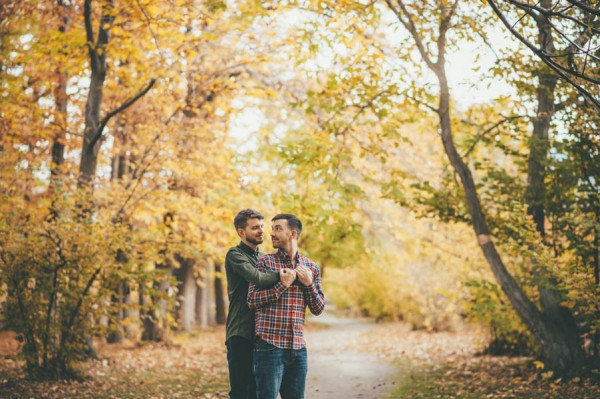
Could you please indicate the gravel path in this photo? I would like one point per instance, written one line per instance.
(337, 369)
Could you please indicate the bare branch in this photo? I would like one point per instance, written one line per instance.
(411, 27)
(114, 112)
(547, 58)
(489, 130)
(444, 26)
(583, 6)
(147, 17)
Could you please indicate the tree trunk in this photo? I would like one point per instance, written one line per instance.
(121, 299)
(558, 317)
(155, 327)
(210, 296)
(97, 53)
(221, 317)
(556, 346)
(200, 308)
(61, 100)
(187, 288)
(556, 343)
(205, 315)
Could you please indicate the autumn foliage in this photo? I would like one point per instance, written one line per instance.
(131, 132)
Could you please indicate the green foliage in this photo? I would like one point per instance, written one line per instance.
(488, 305)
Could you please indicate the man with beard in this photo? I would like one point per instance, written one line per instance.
(280, 357)
(240, 267)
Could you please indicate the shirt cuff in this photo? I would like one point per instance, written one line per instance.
(311, 288)
(279, 288)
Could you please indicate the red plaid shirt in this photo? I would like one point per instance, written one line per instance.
(280, 311)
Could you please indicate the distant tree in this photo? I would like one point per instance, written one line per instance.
(565, 39)
(98, 52)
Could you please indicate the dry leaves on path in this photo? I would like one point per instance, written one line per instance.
(449, 365)
(191, 366)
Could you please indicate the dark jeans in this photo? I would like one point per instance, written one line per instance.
(279, 371)
(239, 359)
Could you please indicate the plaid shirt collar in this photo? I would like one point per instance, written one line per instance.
(282, 253)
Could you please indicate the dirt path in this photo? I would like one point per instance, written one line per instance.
(336, 367)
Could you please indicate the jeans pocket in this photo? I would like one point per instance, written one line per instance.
(263, 346)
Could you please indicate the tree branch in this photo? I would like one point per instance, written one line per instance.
(89, 34)
(444, 26)
(560, 70)
(583, 6)
(410, 26)
(488, 130)
(114, 112)
(147, 17)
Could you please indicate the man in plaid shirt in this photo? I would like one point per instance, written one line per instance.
(280, 358)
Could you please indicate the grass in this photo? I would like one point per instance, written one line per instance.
(450, 366)
(487, 377)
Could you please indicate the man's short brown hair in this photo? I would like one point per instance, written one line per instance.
(293, 221)
(241, 219)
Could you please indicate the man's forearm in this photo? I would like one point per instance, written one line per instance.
(315, 298)
(258, 298)
(249, 272)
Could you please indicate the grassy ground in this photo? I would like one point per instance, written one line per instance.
(488, 379)
(448, 365)
(191, 366)
(431, 366)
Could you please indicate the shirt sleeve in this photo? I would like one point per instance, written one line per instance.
(313, 294)
(259, 297)
(242, 266)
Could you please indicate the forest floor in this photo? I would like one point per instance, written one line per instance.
(348, 358)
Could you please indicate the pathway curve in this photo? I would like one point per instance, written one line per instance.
(336, 367)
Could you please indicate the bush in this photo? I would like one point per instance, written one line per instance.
(488, 305)
(384, 291)
(52, 266)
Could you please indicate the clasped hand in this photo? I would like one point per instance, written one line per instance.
(304, 275)
(288, 276)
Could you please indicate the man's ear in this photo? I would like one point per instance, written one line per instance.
(241, 233)
(294, 234)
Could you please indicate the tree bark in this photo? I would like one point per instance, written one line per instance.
(94, 126)
(205, 315)
(556, 343)
(61, 101)
(154, 321)
(97, 54)
(558, 317)
(200, 308)
(221, 317)
(187, 288)
(121, 298)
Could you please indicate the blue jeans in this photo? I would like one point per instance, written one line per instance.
(279, 371)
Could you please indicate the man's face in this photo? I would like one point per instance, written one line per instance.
(253, 232)
(281, 234)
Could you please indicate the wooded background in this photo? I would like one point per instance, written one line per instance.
(132, 132)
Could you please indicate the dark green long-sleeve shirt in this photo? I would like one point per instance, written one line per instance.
(240, 267)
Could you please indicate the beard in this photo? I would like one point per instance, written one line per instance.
(254, 241)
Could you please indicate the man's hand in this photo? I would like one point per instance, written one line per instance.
(287, 276)
(304, 275)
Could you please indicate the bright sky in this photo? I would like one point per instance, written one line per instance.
(467, 86)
